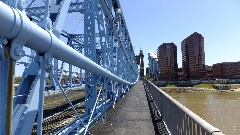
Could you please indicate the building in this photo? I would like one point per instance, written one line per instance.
(217, 70)
(147, 71)
(208, 70)
(167, 62)
(226, 70)
(153, 65)
(193, 57)
(139, 58)
(180, 74)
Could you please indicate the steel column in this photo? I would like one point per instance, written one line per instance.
(3, 87)
(90, 52)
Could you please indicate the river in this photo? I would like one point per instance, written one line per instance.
(220, 110)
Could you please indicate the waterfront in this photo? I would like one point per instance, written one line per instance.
(220, 110)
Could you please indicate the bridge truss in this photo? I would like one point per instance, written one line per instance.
(90, 35)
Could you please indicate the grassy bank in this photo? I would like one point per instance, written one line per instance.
(171, 86)
(196, 88)
(210, 86)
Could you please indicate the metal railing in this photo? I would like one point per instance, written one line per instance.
(179, 119)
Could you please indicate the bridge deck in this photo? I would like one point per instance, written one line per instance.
(131, 115)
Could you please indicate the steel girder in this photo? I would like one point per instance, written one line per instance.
(108, 59)
(54, 9)
(3, 87)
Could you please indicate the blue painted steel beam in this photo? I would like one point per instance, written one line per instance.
(47, 42)
(39, 11)
(90, 52)
(110, 18)
(3, 88)
(108, 48)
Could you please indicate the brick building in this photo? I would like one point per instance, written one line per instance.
(193, 57)
(226, 70)
(167, 62)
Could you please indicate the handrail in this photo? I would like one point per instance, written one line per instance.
(186, 115)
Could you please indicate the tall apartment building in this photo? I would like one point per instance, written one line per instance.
(226, 70)
(167, 62)
(193, 57)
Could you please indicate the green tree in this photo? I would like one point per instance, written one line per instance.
(17, 79)
(48, 81)
(65, 77)
(146, 76)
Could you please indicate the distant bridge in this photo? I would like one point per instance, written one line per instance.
(89, 36)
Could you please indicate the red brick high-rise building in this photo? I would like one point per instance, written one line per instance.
(193, 57)
(167, 62)
(226, 70)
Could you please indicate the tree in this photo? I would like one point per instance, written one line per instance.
(17, 79)
(65, 77)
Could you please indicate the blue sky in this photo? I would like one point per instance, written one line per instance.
(153, 22)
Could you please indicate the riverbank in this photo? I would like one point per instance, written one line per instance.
(186, 89)
(194, 89)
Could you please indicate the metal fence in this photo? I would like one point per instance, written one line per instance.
(179, 119)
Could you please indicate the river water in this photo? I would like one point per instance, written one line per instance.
(220, 110)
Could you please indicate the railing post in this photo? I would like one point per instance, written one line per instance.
(3, 87)
(41, 97)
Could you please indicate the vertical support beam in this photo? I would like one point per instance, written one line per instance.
(119, 91)
(70, 75)
(80, 72)
(102, 36)
(55, 71)
(70, 65)
(109, 39)
(10, 90)
(3, 88)
(58, 26)
(90, 52)
(26, 99)
(41, 97)
(104, 98)
(53, 86)
(80, 77)
(103, 56)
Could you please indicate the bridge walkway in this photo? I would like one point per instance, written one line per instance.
(132, 115)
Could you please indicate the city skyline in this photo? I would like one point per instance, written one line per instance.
(152, 23)
(193, 59)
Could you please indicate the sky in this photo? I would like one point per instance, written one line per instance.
(153, 22)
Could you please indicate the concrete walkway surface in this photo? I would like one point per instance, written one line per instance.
(131, 115)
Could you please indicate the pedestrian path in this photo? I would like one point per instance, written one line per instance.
(131, 115)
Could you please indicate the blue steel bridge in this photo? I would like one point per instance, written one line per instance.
(91, 39)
